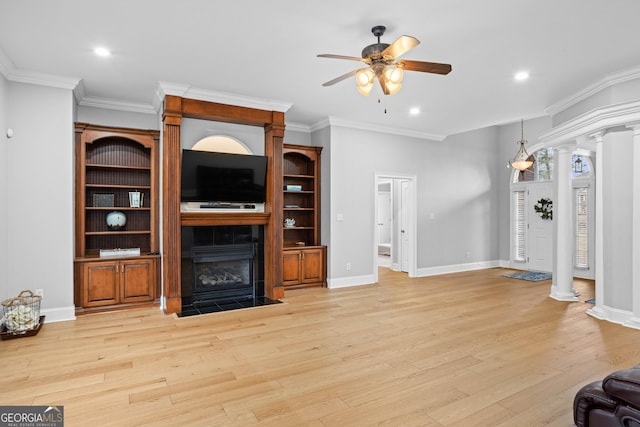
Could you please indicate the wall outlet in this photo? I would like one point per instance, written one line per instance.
(468, 254)
(348, 266)
(40, 292)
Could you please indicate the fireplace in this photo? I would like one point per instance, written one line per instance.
(222, 268)
(223, 272)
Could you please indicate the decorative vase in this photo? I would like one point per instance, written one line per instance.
(116, 220)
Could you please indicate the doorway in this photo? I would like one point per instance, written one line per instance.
(395, 223)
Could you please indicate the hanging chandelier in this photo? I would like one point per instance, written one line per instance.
(521, 160)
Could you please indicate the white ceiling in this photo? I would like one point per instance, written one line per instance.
(267, 50)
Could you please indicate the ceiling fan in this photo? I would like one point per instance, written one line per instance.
(381, 60)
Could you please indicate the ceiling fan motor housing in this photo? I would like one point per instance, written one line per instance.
(374, 51)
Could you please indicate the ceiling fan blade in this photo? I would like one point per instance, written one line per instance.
(400, 46)
(383, 85)
(341, 78)
(425, 67)
(328, 55)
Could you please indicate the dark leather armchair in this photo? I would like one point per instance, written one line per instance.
(614, 401)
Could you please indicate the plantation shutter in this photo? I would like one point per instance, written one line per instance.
(519, 226)
(582, 228)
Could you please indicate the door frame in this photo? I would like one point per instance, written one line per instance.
(410, 208)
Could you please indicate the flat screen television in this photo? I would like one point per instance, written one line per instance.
(211, 177)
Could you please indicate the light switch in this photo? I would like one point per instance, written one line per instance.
(339, 217)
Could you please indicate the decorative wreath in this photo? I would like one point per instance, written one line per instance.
(545, 208)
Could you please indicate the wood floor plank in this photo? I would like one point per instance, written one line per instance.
(471, 348)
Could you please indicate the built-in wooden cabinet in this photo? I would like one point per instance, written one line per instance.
(116, 170)
(303, 259)
(304, 267)
(118, 282)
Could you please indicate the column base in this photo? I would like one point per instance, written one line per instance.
(563, 296)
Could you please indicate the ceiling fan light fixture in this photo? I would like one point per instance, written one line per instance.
(364, 77)
(393, 75)
(393, 88)
(364, 90)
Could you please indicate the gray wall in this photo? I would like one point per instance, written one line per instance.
(4, 162)
(457, 212)
(618, 222)
(117, 118)
(39, 199)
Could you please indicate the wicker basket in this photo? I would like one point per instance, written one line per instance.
(22, 313)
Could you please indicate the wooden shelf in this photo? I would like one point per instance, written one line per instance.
(116, 161)
(303, 265)
(113, 166)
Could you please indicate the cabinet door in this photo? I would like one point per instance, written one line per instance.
(312, 263)
(137, 280)
(290, 268)
(99, 284)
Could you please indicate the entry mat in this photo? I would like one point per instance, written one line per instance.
(532, 276)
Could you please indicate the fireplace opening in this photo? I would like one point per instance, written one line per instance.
(223, 272)
(222, 268)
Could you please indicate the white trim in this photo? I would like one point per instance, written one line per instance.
(59, 314)
(603, 83)
(614, 315)
(114, 104)
(42, 79)
(411, 229)
(458, 268)
(596, 120)
(344, 282)
(297, 127)
(334, 121)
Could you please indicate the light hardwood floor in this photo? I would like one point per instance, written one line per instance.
(465, 349)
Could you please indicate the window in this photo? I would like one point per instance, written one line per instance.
(519, 226)
(582, 228)
(542, 168)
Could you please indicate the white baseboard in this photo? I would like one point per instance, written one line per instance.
(344, 282)
(59, 314)
(457, 268)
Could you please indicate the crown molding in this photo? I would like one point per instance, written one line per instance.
(334, 121)
(594, 121)
(297, 127)
(114, 104)
(187, 91)
(6, 65)
(607, 81)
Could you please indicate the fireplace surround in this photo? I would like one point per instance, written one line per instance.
(222, 268)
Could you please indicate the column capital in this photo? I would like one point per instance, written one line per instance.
(597, 136)
(635, 127)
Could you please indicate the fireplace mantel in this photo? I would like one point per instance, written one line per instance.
(176, 108)
(214, 218)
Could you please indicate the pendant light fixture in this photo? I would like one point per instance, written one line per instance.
(521, 160)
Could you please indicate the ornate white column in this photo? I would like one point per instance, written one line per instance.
(634, 321)
(563, 230)
(596, 310)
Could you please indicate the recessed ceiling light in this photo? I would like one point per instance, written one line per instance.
(102, 51)
(414, 111)
(521, 76)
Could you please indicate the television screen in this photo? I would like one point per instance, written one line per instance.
(222, 177)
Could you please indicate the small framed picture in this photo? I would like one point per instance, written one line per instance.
(135, 199)
(103, 200)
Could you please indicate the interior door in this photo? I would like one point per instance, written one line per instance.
(540, 230)
(384, 218)
(404, 222)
